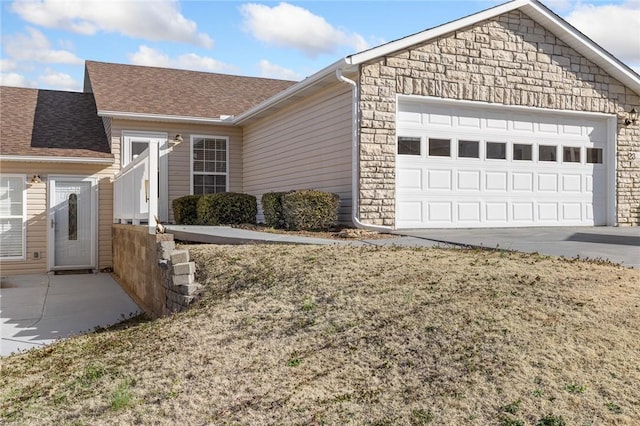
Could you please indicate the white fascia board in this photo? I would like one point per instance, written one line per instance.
(224, 120)
(293, 90)
(435, 32)
(52, 159)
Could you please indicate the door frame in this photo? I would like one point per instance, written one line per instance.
(161, 138)
(51, 217)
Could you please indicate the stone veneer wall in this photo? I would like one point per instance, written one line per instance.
(508, 60)
(159, 277)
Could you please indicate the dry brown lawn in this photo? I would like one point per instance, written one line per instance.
(346, 335)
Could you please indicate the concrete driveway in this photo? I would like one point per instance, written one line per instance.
(36, 310)
(616, 244)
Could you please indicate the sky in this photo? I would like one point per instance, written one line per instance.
(44, 43)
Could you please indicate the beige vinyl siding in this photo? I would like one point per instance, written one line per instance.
(37, 213)
(305, 145)
(180, 158)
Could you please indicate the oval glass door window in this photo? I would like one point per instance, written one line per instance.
(73, 217)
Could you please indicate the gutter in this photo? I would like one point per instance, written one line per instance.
(355, 160)
(222, 120)
(53, 159)
(291, 91)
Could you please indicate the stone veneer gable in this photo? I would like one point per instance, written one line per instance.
(508, 60)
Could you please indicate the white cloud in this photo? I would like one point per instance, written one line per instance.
(35, 46)
(189, 61)
(614, 27)
(287, 25)
(557, 5)
(52, 79)
(269, 70)
(15, 80)
(8, 65)
(158, 20)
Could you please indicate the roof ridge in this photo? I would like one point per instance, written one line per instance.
(182, 70)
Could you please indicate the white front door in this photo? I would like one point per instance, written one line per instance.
(72, 221)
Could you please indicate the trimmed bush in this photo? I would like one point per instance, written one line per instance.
(227, 208)
(310, 210)
(272, 209)
(185, 209)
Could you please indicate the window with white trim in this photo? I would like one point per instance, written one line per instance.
(12, 216)
(209, 155)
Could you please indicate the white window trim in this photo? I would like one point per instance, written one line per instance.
(191, 172)
(23, 179)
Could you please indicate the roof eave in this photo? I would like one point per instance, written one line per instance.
(225, 120)
(58, 159)
(292, 91)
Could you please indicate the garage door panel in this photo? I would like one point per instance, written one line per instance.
(522, 212)
(410, 212)
(549, 128)
(571, 183)
(410, 179)
(522, 181)
(468, 180)
(548, 212)
(469, 212)
(496, 212)
(522, 189)
(438, 211)
(439, 179)
(469, 122)
(496, 181)
(547, 182)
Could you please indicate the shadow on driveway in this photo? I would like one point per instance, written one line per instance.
(626, 240)
(36, 310)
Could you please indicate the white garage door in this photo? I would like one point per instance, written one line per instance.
(466, 166)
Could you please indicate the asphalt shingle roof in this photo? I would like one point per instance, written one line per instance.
(50, 123)
(172, 92)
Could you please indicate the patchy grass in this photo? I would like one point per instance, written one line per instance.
(335, 335)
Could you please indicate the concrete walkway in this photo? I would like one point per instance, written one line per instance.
(616, 244)
(35, 310)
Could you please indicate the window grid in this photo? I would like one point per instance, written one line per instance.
(12, 216)
(209, 161)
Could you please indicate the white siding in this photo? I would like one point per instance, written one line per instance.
(306, 145)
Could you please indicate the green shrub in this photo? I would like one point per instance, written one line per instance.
(310, 210)
(227, 208)
(272, 209)
(185, 209)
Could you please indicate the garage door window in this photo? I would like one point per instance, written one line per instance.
(408, 145)
(594, 155)
(522, 152)
(547, 153)
(439, 148)
(468, 149)
(571, 154)
(496, 151)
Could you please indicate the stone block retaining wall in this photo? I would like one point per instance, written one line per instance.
(508, 60)
(160, 278)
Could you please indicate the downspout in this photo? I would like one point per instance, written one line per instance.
(355, 160)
